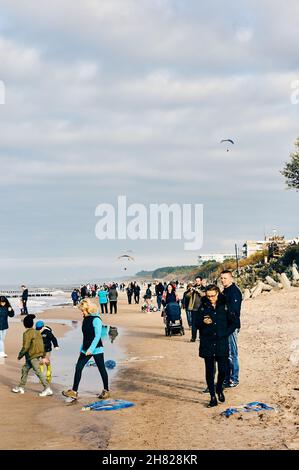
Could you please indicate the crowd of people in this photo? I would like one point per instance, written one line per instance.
(212, 313)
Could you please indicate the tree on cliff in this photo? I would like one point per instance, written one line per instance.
(291, 169)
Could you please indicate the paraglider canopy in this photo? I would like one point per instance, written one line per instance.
(227, 140)
(125, 259)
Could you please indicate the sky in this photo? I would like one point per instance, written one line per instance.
(132, 97)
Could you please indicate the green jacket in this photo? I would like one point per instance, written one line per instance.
(33, 344)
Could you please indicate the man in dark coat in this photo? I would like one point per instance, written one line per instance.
(198, 292)
(24, 299)
(233, 297)
(216, 324)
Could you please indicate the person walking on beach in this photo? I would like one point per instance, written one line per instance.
(129, 293)
(5, 312)
(34, 352)
(113, 295)
(185, 303)
(103, 299)
(170, 295)
(75, 297)
(233, 298)
(136, 290)
(24, 299)
(198, 292)
(92, 347)
(216, 323)
(83, 292)
(159, 288)
(48, 339)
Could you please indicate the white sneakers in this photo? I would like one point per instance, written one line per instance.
(46, 393)
(2, 354)
(18, 390)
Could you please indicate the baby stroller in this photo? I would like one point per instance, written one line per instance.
(173, 319)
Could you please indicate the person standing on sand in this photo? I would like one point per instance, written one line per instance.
(48, 339)
(24, 299)
(113, 295)
(92, 346)
(5, 312)
(233, 298)
(136, 293)
(103, 299)
(185, 303)
(159, 288)
(129, 293)
(216, 322)
(75, 297)
(34, 352)
(198, 291)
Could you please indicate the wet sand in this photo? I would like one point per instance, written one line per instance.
(170, 411)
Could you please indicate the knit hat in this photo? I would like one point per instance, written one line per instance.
(28, 321)
(39, 325)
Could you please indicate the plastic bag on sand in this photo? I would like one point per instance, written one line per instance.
(107, 405)
(253, 406)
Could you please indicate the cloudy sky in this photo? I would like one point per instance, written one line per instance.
(132, 97)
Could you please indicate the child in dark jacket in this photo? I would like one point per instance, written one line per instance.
(48, 339)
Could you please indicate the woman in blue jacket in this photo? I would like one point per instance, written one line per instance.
(5, 312)
(92, 346)
(103, 299)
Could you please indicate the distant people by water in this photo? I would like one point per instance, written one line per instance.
(83, 292)
(24, 300)
(34, 352)
(233, 298)
(113, 296)
(216, 323)
(6, 311)
(92, 347)
(49, 339)
(75, 297)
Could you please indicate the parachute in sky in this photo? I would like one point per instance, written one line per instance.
(227, 140)
(125, 259)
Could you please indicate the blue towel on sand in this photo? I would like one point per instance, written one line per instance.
(107, 405)
(253, 406)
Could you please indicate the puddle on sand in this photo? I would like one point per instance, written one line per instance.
(64, 360)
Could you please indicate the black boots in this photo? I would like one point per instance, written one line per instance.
(213, 402)
(221, 397)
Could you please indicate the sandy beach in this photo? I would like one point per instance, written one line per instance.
(164, 377)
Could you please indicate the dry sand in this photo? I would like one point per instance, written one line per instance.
(170, 411)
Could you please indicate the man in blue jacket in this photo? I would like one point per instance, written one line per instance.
(233, 298)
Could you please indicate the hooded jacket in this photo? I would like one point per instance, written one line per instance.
(49, 339)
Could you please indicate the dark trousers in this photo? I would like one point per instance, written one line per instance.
(210, 363)
(82, 361)
(129, 299)
(113, 306)
(104, 307)
(137, 298)
(194, 326)
(24, 309)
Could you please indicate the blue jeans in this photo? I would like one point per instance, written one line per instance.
(159, 301)
(189, 318)
(233, 361)
(2, 337)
